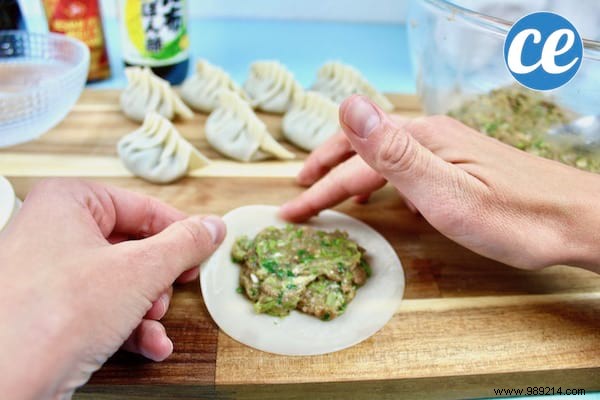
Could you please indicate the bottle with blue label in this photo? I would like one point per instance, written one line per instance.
(11, 16)
(155, 35)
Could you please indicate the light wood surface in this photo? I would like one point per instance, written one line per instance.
(467, 324)
(84, 143)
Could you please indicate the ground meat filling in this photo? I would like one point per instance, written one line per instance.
(297, 267)
(522, 118)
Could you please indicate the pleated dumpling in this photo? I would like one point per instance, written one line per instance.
(271, 87)
(158, 153)
(146, 92)
(312, 119)
(339, 81)
(201, 90)
(236, 132)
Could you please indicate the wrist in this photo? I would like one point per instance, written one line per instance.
(582, 242)
(32, 374)
(36, 341)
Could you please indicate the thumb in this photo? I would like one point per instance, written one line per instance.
(182, 245)
(392, 151)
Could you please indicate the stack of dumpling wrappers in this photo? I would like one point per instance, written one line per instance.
(158, 153)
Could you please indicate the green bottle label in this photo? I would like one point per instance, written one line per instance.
(154, 31)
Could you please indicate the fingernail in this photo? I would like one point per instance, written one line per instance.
(360, 116)
(216, 227)
(168, 343)
(166, 349)
(165, 300)
(301, 178)
(283, 209)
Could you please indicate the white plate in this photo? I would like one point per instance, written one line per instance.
(9, 203)
(300, 334)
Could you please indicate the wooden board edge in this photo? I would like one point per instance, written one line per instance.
(449, 387)
(413, 306)
(36, 165)
(457, 303)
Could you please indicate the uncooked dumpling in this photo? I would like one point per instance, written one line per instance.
(339, 81)
(299, 334)
(271, 87)
(146, 92)
(312, 119)
(157, 153)
(200, 91)
(235, 131)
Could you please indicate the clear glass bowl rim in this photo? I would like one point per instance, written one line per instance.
(497, 25)
(59, 38)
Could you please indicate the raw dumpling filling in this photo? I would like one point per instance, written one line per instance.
(297, 267)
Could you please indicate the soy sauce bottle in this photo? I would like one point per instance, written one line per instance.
(155, 34)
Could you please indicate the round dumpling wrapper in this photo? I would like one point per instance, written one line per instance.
(9, 203)
(299, 334)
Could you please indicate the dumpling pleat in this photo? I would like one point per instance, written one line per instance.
(146, 93)
(235, 131)
(271, 87)
(157, 152)
(200, 91)
(338, 81)
(311, 120)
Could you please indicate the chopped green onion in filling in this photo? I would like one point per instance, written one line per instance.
(300, 268)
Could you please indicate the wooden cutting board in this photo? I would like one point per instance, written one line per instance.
(467, 324)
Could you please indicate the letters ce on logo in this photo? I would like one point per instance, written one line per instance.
(543, 51)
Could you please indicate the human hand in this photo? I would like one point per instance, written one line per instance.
(77, 287)
(496, 200)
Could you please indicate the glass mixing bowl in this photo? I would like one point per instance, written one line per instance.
(41, 78)
(457, 50)
(457, 54)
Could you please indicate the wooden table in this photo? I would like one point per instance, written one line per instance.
(467, 324)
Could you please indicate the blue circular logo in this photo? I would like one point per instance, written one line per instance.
(543, 51)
